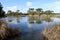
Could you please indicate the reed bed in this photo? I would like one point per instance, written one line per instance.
(52, 33)
(8, 32)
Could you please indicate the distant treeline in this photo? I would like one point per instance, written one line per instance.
(30, 11)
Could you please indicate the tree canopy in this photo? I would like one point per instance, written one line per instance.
(2, 12)
(48, 12)
(31, 11)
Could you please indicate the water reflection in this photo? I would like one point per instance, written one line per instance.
(38, 21)
(48, 19)
(31, 26)
(33, 19)
(10, 19)
(18, 19)
(13, 19)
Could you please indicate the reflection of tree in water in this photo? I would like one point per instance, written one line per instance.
(10, 19)
(18, 17)
(38, 21)
(34, 18)
(48, 19)
(31, 19)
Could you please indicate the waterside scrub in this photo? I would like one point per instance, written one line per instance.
(8, 32)
(52, 33)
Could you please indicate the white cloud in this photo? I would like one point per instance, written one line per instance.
(29, 3)
(55, 6)
(12, 8)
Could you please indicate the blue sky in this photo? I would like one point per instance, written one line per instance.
(24, 5)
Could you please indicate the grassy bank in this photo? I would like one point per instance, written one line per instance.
(52, 15)
(52, 33)
(8, 32)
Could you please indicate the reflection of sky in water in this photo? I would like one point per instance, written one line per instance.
(30, 31)
(55, 19)
(24, 19)
(26, 26)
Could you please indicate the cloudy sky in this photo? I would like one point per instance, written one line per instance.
(24, 5)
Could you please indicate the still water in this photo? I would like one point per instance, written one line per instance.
(31, 27)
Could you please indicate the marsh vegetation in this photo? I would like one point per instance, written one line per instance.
(36, 24)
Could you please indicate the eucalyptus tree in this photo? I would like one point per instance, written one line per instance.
(31, 11)
(9, 13)
(48, 12)
(17, 13)
(39, 10)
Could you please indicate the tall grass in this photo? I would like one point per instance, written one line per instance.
(8, 32)
(52, 33)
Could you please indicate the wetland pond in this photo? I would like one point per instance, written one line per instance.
(31, 27)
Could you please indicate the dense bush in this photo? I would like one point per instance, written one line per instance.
(2, 13)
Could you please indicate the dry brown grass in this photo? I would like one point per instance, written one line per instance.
(58, 16)
(52, 33)
(3, 29)
(45, 16)
(6, 31)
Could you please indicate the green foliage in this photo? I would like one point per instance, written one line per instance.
(31, 11)
(48, 12)
(1, 7)
(39, 10)
(11, 13)
(2, 13)
(34, 11)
